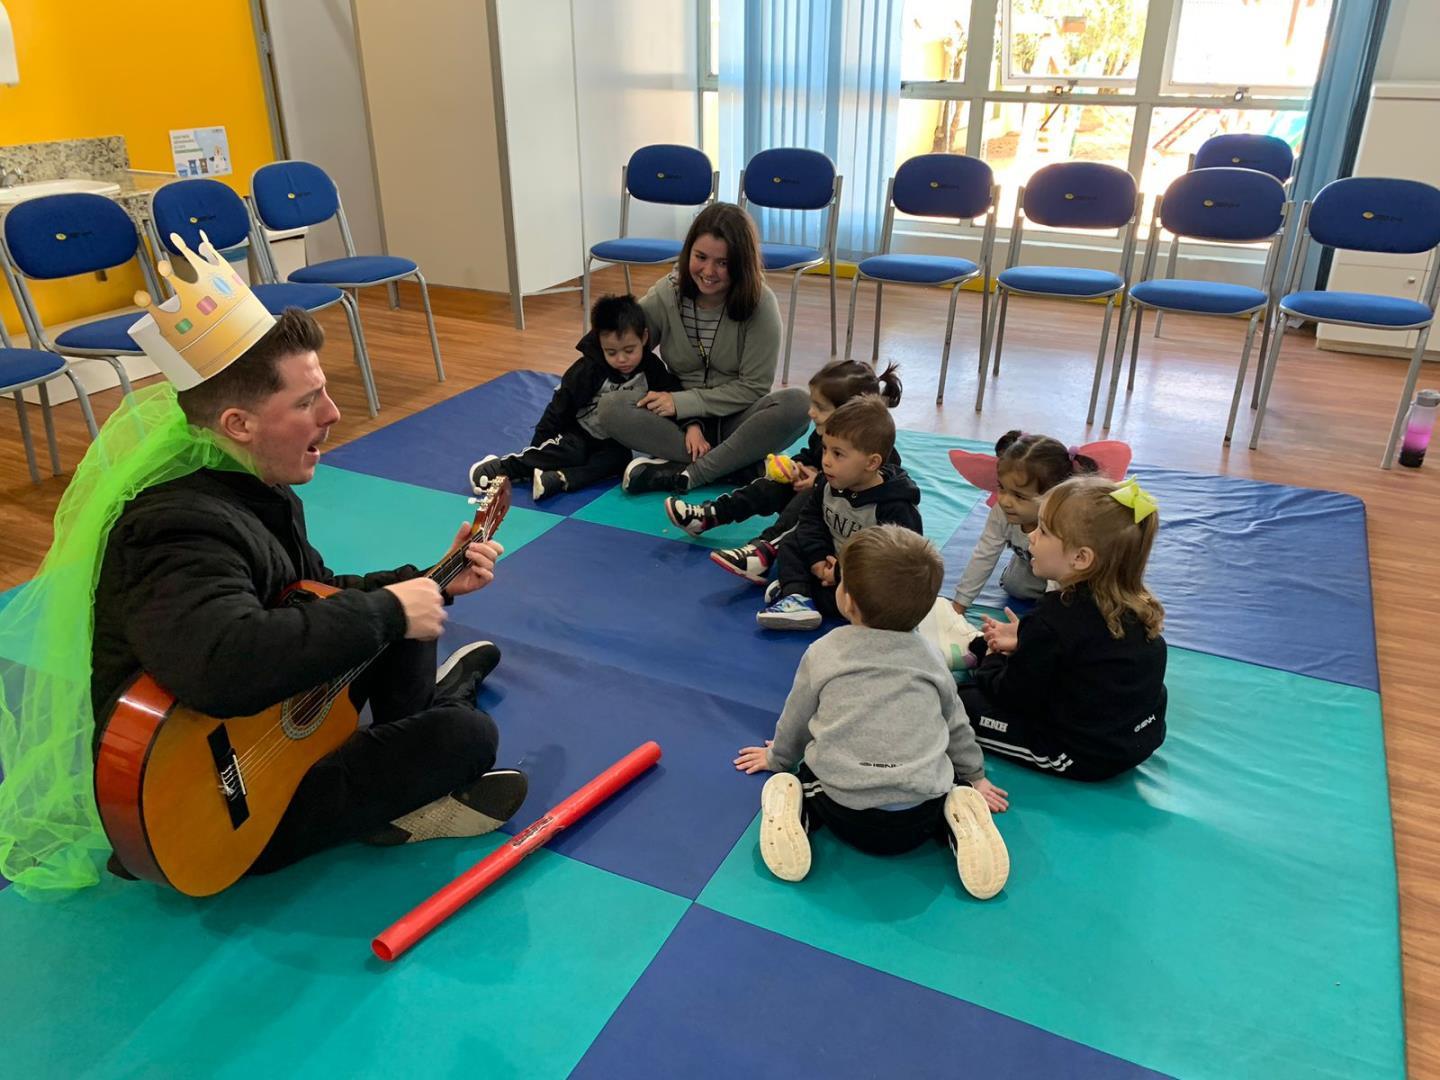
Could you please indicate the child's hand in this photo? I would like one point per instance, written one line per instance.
(824, 570)
(805, 480)
(754, 759)
(695, 442)
(658, 402)
(1001, 637)
(997, 799)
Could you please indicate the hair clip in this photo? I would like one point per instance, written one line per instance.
(1130, 494)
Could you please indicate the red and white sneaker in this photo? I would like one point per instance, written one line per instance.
(750, 561)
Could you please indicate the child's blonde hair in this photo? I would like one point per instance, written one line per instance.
(1081, 513)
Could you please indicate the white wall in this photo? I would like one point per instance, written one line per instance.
(1410, 49)
(635, 67)
(322, 107)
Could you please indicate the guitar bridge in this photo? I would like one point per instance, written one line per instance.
(232, 778)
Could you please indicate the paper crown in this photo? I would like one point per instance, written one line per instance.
(207, 325)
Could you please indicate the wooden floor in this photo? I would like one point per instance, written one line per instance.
(1326, 429)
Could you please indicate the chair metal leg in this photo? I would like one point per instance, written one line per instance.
(393, 288)
(789, 329)
(585, 298)
(84, 400)
(945, 355)
(45, 414)
(1115, 366)
(1267, 326)
(850, 320)
(25, 437)
(984, 348)
(875, 344)
(1159, 318)
(1135, 348)
(1276, 340)
(1405, 395)
(1000, 330)
(125, 389)
(832, 307)
(362, 354)
(430, 321)
(1240, 378)
(629, 288)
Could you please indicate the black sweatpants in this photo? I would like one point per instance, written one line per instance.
(582, 457)
(795, 577)
(1025, 742)
(880, 832)
(417, 749)
(760, 498)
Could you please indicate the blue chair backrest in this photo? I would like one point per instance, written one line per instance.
(187, 207)
(293, 194)
(1233, 205)
(943, 186)
(1370, 213)
(1263, 152)
(667, 173)
(59, 236)
(1080, 195)
(790, 179)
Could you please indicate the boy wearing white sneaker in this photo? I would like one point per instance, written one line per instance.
(570, 448)
(890, 759)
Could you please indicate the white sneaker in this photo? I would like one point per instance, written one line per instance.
(480, 476)
(980, 853)
(546, 482)
(783, 843)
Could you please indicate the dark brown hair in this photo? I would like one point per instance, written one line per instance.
(726, 221)
(256, 374)
(1041, 459)
(616, 315)
(866, 424)
(893, 575)
(840, 380)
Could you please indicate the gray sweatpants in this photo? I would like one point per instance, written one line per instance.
(766, 427)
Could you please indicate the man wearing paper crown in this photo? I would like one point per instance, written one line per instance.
(175, 539)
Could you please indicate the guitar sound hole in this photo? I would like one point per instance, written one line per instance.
(304, 713)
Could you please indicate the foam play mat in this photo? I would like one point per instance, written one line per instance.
(1227, 910)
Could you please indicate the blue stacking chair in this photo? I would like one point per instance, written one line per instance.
(23, 368)
(1264, 153)
(1215, 206)
(186, 208)
(63, 236)
(1069, 195)
(933, 186)
(667, 174)
(793, 179)
(298, 194)
(1376, 214)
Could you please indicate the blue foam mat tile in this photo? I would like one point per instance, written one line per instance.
(652, 606)
(435, 447)
(725, 999)
(1264, 573)
(564, 719)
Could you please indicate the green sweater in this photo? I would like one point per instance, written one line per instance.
(742, 361)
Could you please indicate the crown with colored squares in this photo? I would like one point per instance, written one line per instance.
(209, 322)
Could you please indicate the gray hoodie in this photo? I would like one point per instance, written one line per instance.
(875, 715)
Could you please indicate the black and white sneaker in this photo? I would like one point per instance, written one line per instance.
(772, 592)
(479, 807)
(750, 561)
(546, 482)
(460, 676)
(484, 471)
(654, 474)
(694, 518)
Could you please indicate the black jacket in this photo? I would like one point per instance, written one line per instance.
(830, 517)
(583, 380)
(191, 574)
(1091, 694)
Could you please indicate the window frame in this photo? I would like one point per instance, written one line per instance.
(1010, 78)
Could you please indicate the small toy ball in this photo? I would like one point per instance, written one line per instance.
(781, 469)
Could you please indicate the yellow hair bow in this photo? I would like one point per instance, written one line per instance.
(1131, 494)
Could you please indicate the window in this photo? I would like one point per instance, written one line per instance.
(1071, 43)
(1240, 44)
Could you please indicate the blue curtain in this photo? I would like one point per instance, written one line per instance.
(818, 74)
(1337, 108)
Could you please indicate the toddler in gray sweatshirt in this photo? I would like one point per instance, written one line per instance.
(889, 758)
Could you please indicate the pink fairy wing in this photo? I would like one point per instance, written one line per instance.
(979, 470)
(1112, 455)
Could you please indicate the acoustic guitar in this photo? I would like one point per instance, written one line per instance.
(190, 801)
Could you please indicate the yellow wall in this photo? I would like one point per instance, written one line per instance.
(91, 68)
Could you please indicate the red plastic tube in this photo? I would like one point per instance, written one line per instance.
(412, 927)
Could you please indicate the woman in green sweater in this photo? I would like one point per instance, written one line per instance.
(717, 325)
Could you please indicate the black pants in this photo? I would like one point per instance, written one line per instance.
(760, 498)
(880, 832)
(1025, 742)
(583, 458)
(417, 749)
(795, 577)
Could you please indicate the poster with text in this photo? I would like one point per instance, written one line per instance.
(200, 151)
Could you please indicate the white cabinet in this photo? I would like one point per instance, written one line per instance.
(1397, 141)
